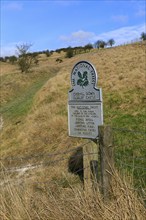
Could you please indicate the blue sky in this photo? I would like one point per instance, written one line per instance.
(55, 24)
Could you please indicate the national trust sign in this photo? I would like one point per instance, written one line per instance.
(85, 112)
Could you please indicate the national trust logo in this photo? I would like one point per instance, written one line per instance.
(83, 75)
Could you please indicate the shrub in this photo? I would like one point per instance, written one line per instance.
(69, 53)
(143, 36)
(25, 59)
(58, 60)
(12, 59)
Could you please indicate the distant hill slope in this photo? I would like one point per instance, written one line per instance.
(40, 162)
(34, 105)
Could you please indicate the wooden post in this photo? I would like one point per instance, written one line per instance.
(106, 159)
(90, 160)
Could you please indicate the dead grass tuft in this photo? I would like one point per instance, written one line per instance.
(52, 200)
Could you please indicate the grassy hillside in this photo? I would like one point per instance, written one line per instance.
(34, 105)
(34, 115)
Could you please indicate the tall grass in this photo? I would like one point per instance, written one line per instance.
(35, 201)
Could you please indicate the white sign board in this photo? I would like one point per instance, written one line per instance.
(85, 111)
(84, 118)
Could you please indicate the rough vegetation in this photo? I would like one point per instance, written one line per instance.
(34, 125)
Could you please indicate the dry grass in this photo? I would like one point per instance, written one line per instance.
(35, 200)
(6, 68)
(42, 129)
(121, 73)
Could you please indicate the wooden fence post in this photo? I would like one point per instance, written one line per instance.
(106, 159)
(90, 161)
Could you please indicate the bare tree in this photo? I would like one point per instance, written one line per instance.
(26, 59)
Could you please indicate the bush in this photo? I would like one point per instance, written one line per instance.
(69, 53)
(24, 63)
(26, 59)
(47, 53)
(58, 60)
(2, 59)
(12, 59)
(143, 36)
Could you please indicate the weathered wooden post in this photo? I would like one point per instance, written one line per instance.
(85, 114)
(106, 159)
(90, 160)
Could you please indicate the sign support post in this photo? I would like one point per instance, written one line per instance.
(90, 160)
(106, 160)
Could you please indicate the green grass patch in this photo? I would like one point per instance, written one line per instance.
(128, 119)
(130, 151)
(21, 103)
(124, 111)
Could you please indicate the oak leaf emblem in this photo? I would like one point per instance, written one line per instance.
(83, 79)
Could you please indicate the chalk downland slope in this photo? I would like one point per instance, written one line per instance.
(34, 114)
(34, 105)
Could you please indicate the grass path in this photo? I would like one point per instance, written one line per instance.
(22, 102)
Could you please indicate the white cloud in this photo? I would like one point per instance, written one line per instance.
(78, 38)
(7, 51)
(120, 18)
(124, 34)
(10, 49)
(121, 35)
(81, 38)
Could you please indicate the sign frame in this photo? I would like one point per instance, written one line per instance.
(84, 102)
